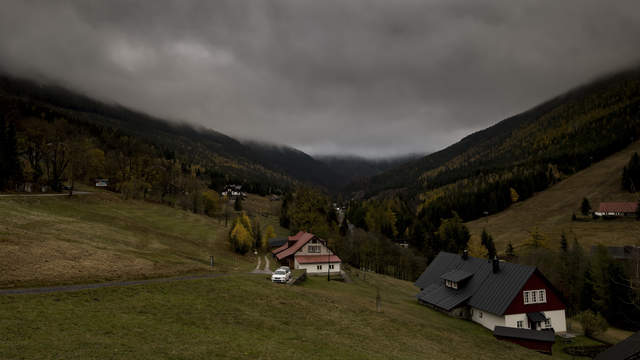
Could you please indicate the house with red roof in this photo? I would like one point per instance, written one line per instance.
(307, 251)
(617, 208)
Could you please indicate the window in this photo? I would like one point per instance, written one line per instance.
(451, 284)
(547, 324)
(314, 241)
(330, 266)
(314, 248)
(519, 324)
(480, 315)
(542, 296)
(535, 296)
(319, 267)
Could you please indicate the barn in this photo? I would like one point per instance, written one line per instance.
(495, 294)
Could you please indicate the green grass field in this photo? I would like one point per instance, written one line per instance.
(241, 316)
(550, 210)
(100, 237)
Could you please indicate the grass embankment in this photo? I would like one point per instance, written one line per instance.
(550, 210)
(242, 316)
(100, 237)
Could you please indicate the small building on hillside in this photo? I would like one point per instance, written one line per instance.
(102, 183)
(627, 349)
(233, 191)
(495, 294)
(307, 251)
(617, 209)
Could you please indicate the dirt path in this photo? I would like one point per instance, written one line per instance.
(66, 288)
(267, 268)
(46, 195)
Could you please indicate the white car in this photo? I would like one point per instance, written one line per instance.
(282, 275)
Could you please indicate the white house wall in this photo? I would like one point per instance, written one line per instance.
(313, 268)
(488, 320)
(558, 320)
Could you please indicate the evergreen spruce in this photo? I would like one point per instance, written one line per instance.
(585, 207)
(237, 206)
(487, 242)
(510, 252)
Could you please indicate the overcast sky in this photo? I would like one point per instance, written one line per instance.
(365, 77)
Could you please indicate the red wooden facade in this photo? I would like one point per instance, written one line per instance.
(536, 282)
(542, 346)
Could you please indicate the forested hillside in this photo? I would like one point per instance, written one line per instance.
(353, 168)
(490, 169)
(261, 165)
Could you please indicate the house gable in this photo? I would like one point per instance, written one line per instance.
(536, 282)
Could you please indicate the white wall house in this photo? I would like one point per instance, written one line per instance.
(307, 251)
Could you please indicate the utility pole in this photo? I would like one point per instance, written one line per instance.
(328, 262)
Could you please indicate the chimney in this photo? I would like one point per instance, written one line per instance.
(465, 254)
(496, 264)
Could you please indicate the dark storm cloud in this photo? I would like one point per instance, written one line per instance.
(351, 76)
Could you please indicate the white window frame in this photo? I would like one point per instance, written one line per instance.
(318, 267)
(331, 266)
(538, 296)
(519, 324)
(547, 323)
(314, 249)
(542, 296)
(480, 315)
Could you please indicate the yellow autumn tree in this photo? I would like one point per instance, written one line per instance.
(240, 239)
(269, 233)
(514, 195)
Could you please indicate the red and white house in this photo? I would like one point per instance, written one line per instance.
(515, 301)
(307, 251)
(617, 208)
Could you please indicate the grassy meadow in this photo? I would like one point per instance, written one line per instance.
(550, 211)
(241, 317)
(100, 237)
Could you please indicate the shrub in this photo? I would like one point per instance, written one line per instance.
(592, 323)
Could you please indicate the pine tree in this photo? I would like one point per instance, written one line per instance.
(563, 242)
(487, 242)
(585, 207)
(344, 227)
(510, 252)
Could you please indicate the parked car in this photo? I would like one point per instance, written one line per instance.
(282, 275)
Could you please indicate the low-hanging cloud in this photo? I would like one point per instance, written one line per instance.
(364, 77)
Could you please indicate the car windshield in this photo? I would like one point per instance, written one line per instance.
(280, 272)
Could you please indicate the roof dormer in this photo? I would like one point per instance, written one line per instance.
(455, 279)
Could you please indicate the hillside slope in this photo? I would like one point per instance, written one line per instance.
(527, 152)
(241, 159)
(550, 210)
(243, 317)
(100, 237)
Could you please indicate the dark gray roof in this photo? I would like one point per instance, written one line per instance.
(526, 334)
(277, 242)
(536, 317)
(628, 348)
(485, 290)
(456, 275)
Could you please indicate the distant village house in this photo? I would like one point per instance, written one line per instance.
(617, 209)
